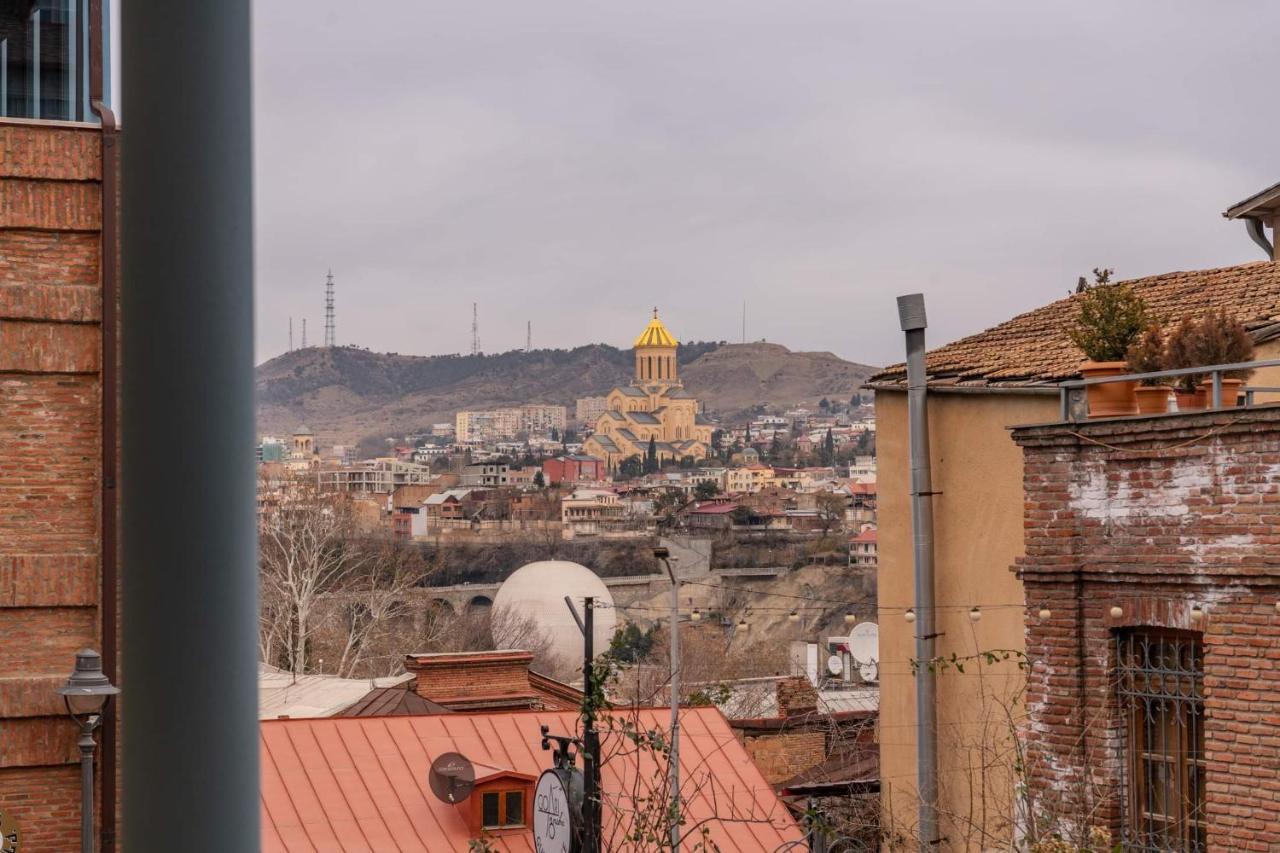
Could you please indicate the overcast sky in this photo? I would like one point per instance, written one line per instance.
(574, 164)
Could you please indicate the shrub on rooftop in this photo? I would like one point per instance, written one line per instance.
(1147, 354)
(1110, 318)
(1217, 338)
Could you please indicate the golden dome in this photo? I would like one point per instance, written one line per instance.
(655, 335)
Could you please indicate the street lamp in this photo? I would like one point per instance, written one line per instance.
(87, 692)
(664, 555)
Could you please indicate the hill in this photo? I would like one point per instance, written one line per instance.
(346, 394)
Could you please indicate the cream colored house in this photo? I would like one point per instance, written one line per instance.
(979, 387)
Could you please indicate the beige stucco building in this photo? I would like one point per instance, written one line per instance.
(979, 387)
(654, 407)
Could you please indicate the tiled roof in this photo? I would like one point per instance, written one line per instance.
(677, 393)
(630, 391)
(642, 418)
(1033, 348)
(359, 783)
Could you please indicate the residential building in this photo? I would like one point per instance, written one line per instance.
(573, 469)
(748, 479)
(495, 424)
(979, 387)
(862, 549)
(380, 476)
(588, 512)
(317, 791)
(488, 475)
(1152, 619)
(59, 393)
(863, 469)
(587, 410)
(653, 408)
(272, 450)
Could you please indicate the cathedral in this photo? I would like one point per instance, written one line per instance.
(654, 407)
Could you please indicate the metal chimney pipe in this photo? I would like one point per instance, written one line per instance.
(912, 317)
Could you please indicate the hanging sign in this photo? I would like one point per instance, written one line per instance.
(553, 825)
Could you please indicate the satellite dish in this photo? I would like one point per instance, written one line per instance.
(452, 777)
(835, 666)
(864, 642)
(868, 671)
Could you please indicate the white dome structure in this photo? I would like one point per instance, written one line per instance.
(537, 590)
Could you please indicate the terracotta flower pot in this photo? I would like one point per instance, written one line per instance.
(1190, 401)
(1230, 392)
(1111, 399)
(1152, 399)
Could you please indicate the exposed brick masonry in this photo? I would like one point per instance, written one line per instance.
(1155, 516)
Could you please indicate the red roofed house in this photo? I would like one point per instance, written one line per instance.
(862, 548)
(360, 783)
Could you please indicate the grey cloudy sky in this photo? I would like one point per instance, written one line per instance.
(574, 163)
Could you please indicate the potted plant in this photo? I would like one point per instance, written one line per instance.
(1146, 355)
(1110, 318)
(1180, 352)
(1222, 339)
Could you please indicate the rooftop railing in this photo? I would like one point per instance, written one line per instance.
(1213, 373)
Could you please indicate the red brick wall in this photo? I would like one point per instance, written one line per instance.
(499, 679)
(50, 447)
(782, 756)
(1155, 516)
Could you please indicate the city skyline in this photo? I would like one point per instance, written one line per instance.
(572, 166)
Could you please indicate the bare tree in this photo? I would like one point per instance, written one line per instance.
(306, 547)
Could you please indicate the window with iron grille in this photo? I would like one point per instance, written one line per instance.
(1161, 698)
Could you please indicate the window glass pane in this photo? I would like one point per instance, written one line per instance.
(43, 61)
(515, 808)
(489, 806)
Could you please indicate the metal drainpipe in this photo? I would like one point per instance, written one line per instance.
(912, 316)
(109, 262)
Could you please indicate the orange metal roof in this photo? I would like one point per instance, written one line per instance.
(360, 783)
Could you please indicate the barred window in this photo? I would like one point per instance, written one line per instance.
(1161, 696)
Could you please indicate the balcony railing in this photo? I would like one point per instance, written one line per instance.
(1213, 373)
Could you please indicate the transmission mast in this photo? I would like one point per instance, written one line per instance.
(330, 339)
(304, 332)
(475, 330)
(528, 336)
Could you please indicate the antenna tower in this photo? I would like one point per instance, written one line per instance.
(475, 330)
(528, 336)
(330, 339)
(304, 332)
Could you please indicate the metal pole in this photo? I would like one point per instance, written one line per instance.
(674, 759)
(591, 760)
(87, 747)
(190, 727)
(912, 316)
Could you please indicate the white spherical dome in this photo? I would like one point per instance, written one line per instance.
(536, 592)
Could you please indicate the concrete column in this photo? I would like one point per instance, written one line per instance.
(189, 706)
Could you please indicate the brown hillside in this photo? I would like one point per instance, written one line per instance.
(348, 394)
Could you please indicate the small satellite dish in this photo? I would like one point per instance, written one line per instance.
(864, 642)
(835, 666)
(868, 671)
(452, 777)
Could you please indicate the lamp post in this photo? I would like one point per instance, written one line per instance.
(86, 693)
(664, 555)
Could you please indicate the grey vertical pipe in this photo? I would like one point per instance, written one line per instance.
(190, 735)
(912, 317)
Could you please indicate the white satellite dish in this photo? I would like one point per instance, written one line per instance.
(864, 642)
(835, 666)
(868, 671)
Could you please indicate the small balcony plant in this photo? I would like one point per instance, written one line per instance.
(1180, 352)
(1110, 318)
(1222, 339)
(1147, 355)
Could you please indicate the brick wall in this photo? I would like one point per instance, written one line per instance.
(462, 680)
(782, 756)
(1156, 517)
(50, 447)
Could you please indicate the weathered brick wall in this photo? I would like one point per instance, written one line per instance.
(470, 677)
(782, 756)
(1155, 516)
(50, 450)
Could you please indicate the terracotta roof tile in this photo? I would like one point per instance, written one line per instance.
(1033, 348)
